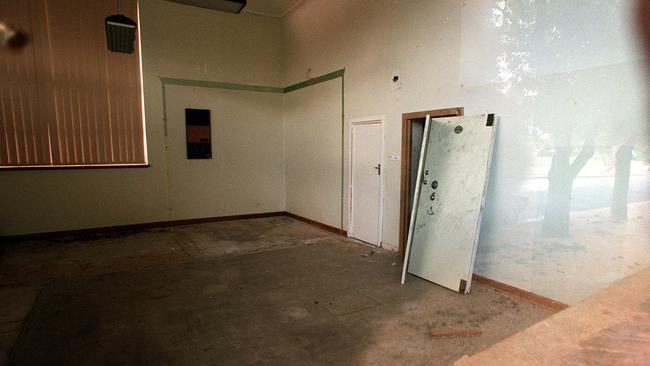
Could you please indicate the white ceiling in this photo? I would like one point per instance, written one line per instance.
(273, 8)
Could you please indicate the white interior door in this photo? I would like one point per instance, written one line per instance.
(452, 181)
(366, 157)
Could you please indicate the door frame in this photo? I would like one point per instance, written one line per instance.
(405, 174)
(357, 122)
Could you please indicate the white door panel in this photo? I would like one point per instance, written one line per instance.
(448, 205)
(366, 182)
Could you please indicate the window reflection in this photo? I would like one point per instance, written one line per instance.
(570, 199)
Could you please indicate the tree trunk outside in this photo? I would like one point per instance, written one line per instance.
(560, 184)
(621, 182)
(558, 198)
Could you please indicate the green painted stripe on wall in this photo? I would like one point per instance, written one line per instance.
(316, 80)
(255, 88)
(221, 85)
(164, 107)
(343, 148)
(263, 89)
(246, 87)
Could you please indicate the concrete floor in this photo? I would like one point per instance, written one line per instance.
(270, 291)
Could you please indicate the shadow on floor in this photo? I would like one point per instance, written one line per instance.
(327, 301)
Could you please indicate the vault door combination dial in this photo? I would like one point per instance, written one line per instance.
(433, 194)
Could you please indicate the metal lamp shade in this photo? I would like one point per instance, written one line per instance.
(120, 33)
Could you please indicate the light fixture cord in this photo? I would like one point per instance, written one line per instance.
(119, 6)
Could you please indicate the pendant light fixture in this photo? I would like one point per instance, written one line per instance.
(120, 31)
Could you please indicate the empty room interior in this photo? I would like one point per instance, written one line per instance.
(324, 182)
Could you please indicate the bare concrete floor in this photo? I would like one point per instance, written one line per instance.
(253, 292)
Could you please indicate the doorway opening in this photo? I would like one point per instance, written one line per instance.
(412, 132)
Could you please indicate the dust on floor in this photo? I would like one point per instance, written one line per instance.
(270, 291)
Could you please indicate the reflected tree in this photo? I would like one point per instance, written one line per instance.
(560, 186)
(622, 167)
(543, 60)
(625, 154)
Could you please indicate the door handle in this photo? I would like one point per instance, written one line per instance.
(378, 167)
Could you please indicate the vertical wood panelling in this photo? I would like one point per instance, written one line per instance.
(4, 147)
(65, 99)
(11, 126)
(22, 134)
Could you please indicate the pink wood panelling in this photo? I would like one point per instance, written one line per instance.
(68, 100)
(23, 138)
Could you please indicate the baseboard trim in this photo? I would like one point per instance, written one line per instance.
(329, 228)
(72, 234)
(527, 295)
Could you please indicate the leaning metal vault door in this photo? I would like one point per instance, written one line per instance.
(446, 217)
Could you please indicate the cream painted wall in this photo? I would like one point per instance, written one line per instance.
(182, 42)
(312, 143)
(558, 73)
(426, 43)
(372, 40)
(246, 172)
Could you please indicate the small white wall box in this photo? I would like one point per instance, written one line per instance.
(120, 33)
